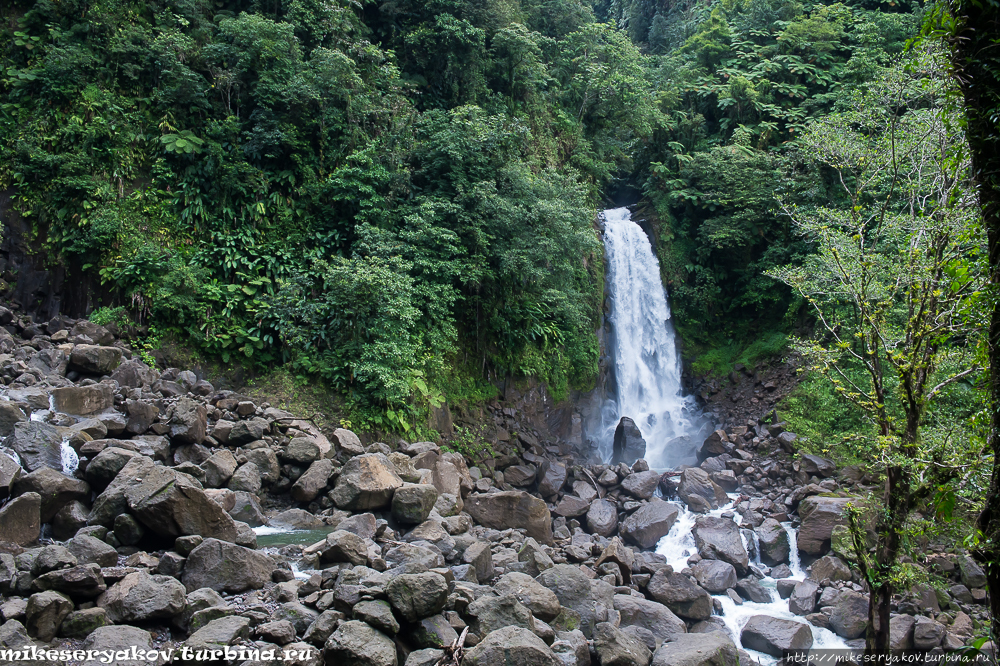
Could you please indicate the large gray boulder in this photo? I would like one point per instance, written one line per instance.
(134, 374)
(94, 359)
(628, 445)
(354, 643)
(540, 600)
(711, 649)
(715, 576)
(140, 597)
(10, 415)
(641, 485)
(511, 646)
(55, 488)
(490, 612)
(849, 617)
(803, 598)
(819, 516)
(650, 615)
(512, 509)
(412, 503)
(698, 490)
(551, 478)
(719, 538)
(10, 472)
(308, 486)
(578, 593)
(174, 504)
(773, 540)
(116, 640)
(38, 444)
(775, 635)
(649, 523)
(188, 420)
(680, 595)
(617, 648)
(416, 596)
(20, 519)
(226, 567)
(602, 518)
(365, 483)
(83, 400)
(45, 612)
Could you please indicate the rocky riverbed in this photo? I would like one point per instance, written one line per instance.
(148, 510)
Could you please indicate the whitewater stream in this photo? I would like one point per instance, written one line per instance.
(647, 388)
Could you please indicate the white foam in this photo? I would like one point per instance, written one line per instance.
(70, 459)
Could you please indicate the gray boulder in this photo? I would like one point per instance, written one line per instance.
(819, 516)
(412, 503)
(94, 359)
(578, 593)
(617, 648)
(540, 600)
(698, 490)
(55, 488)
(719, 538)
(134, 374)
(775, 636)
(628, 444)
(226, 567)
(20, 519)
(416, 596)
(10, 415)
(803, 598)
(37, 444)
(551, 478)
(680, 595)
(354, 643)
(83, 400)
(773, 540)
(656, 618)
(308, 486)
(512, 509)
(117, 639)
(715, 576)
(490, 612)
(140, 597)
(366, 482)
(708, 649)
(45, 612)
(641, 485)
(511, 646)
(602, 518)
(849, 617)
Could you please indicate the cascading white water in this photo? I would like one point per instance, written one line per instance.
(647, 369)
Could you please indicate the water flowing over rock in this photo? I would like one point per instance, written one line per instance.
(647, 369)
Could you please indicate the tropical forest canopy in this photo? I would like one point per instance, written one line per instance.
(399, 197)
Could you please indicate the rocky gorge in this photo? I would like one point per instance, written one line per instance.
(145, 509)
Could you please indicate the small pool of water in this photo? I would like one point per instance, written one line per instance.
(275, 537)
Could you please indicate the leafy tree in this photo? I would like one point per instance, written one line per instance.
(896, 286)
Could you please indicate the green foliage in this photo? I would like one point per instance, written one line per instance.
(472, 444)
(720, 360)
(104, 316)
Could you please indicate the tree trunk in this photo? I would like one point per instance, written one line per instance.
(976, 62)
(889, 527)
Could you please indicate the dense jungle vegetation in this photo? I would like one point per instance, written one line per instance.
(399, 197)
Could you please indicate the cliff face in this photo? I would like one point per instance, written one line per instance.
(38, 283)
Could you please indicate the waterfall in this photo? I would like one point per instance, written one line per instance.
(647, 370)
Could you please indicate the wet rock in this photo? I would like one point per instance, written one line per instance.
(802, 601)
(641, 485)
(773, 540)
(412, 503)
(849, 617)
(511, 646)
(774, 636)
(83, 400)
(82, 623)
(551, 478)
(578, 593)
(750, 589)
(173, 504)
(715, 576)
(541, 601)
(224, 566)
(140, 597)
(95, 360)
(134, 374)
(366, 482)
(718, 538)
(20, 520)
(698, 490)
(629, 445)
(656, 618)
(416, 596)
(356, 643)
(680, 595)
(511, 509)
(490, 612)
(602, 518)
(617, 648)
(819, 516)
(830, 567)
(44, 613)
(37, 444)
(711, 649)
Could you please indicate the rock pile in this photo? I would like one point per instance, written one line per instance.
(131, 497)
